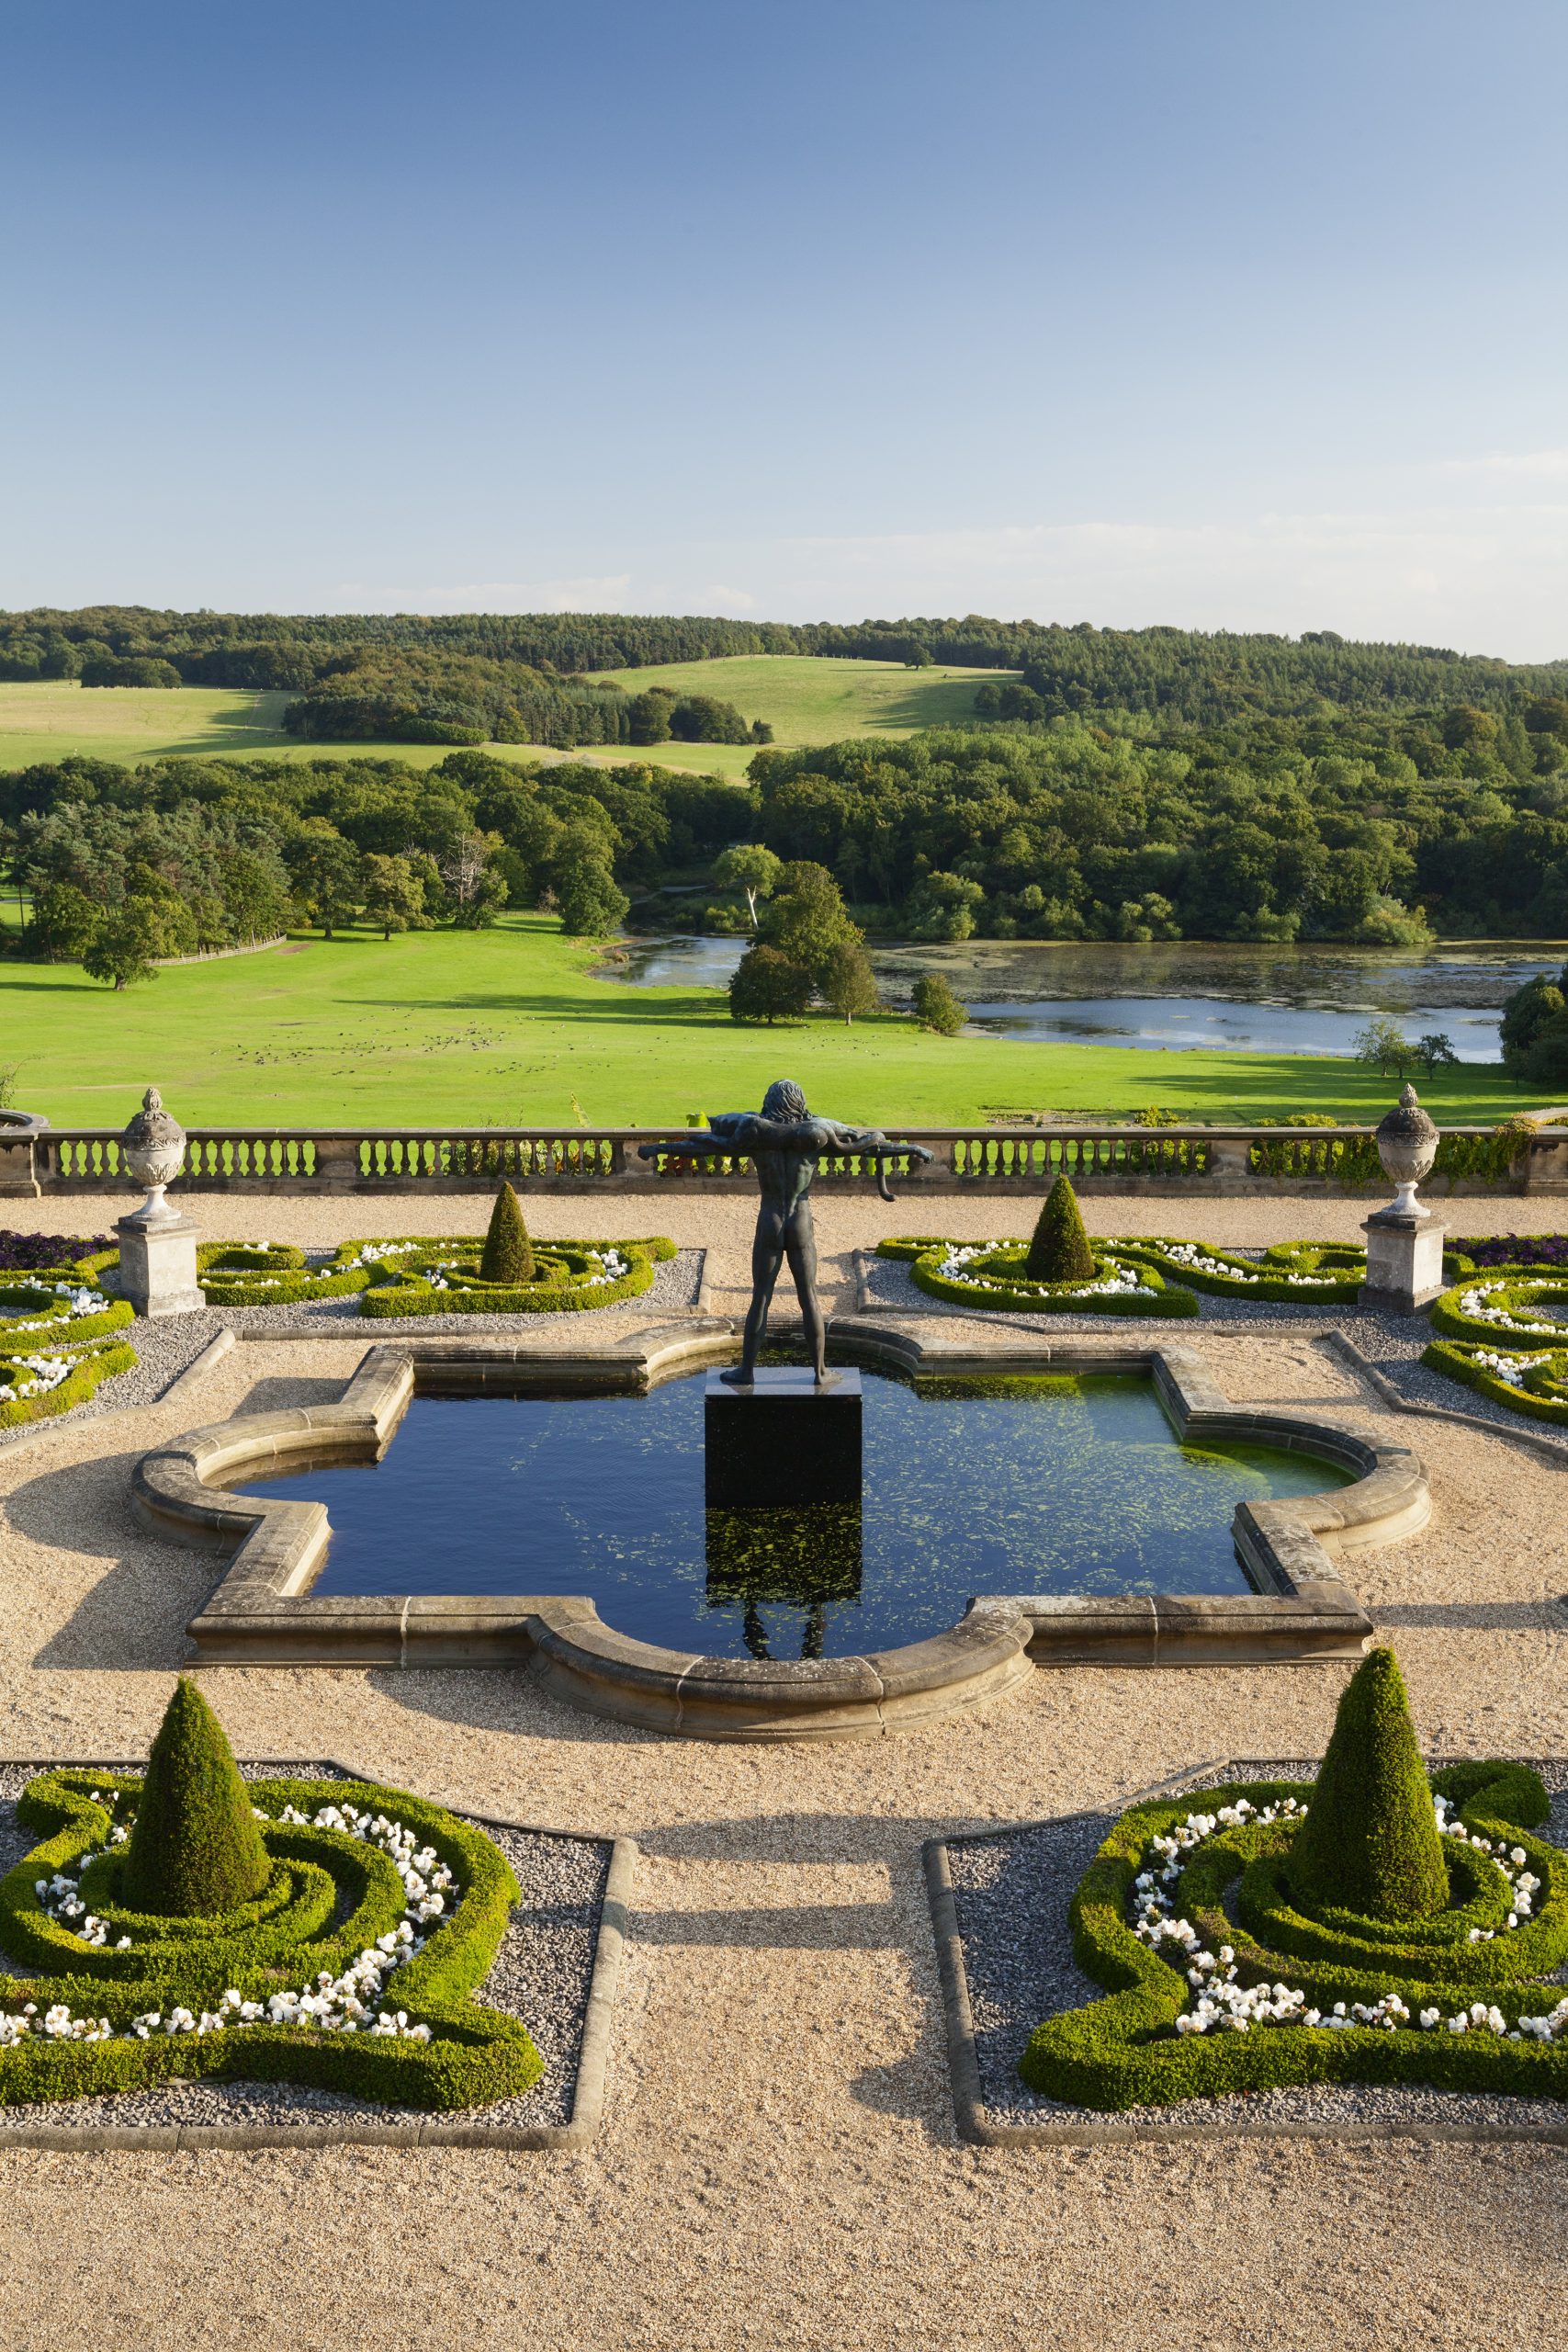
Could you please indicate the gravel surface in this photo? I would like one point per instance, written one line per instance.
(1011, 1896)
(542, 1973)
(170, 1346)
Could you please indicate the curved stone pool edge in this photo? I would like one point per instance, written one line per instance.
(261, 1612)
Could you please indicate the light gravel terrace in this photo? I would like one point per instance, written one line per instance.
(778, 2162)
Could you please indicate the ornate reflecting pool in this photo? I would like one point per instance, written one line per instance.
(1038, 1484)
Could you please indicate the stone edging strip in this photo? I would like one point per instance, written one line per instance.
(1299, 1611)
(419, 2132)
(973, 2119)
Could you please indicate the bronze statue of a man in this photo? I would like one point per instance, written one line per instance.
(784, 1143)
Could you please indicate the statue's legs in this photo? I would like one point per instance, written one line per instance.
(800, 1246)
(767, 1257)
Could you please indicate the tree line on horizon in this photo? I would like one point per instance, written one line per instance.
(1192, 677)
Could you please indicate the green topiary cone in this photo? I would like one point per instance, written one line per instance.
(196, 1845)
(508, 1252)
(1370, 1842)
(1059, 1252)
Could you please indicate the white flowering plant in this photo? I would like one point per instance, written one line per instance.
(441, 1276)
(58, 1311)
(354, 1968)
(1302, 1273)
(991, 1274)
(1505, 1309)
(1217, 1983)
(1533, 1382)
(37, 1382)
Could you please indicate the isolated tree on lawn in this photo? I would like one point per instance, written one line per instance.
(765, 986)
(807, 918)
(848, 983)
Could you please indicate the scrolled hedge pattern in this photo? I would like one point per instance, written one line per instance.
(1124, 2050)
(332, 1898)
(86, 1367)
(238, 1274)
(1298, 1273)
(990, 1275)
(1502, 1308)
(39, 1315)
(442, 1277)
(1533, 1385)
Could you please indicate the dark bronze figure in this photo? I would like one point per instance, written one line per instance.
(785, 1143)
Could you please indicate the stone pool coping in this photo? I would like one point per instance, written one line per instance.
(973, 2118)
(423, 2128)
(262, 1612)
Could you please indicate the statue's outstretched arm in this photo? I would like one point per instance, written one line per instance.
(695, 1143)
(870, 1142)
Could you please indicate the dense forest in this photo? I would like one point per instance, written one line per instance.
(1276, 831)
(128, 866)
(525, 661)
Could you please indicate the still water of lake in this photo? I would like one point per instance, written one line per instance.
(1178, 996)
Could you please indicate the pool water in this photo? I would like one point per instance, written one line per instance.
(1040, 1484)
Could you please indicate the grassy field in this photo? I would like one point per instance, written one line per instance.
(506, 1027)
(808, 701)
(805, 701)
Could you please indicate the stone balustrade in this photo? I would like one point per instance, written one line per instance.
(37, 1159)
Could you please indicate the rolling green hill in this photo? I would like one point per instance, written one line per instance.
(809, 699)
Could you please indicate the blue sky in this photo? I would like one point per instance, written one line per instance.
(1224, 315)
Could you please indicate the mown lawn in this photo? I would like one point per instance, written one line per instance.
(506, 1027)
(806, 700)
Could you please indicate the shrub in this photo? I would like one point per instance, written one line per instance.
(1059, 1251)
(934, 1006)
(508, 1254)
(194, 1847)
(992, 1276)
(21, 1399)
(1369, 1843)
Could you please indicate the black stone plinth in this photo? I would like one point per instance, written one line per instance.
(783, 1440)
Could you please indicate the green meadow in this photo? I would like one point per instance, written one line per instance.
(804, 700)
(510, 1027)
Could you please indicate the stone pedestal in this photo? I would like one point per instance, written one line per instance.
(157, 1263)
(785, 1440)
(1405, 1260)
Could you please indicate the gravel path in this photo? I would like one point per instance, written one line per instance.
(1011, 1896)
(541, 1974)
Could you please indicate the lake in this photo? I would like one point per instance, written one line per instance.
(1181, 995)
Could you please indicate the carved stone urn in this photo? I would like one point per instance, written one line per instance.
(1407, 1145)
(157, 1242)
(1405, 1248)
(153, 1148)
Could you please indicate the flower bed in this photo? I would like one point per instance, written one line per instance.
(1534, 1383)
(1217, 1983)
(260, 1273)
(1300, 1273)
(1502, 1309)
(43, 1315)
(1478, 1254)
(991, 1274)
(34, 1387)
(52, 1253)
(442, 1277)
(354, 1969)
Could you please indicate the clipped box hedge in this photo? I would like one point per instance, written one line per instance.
(97, 1361)
(1536, 1386)
(1326, 1274)
(1008, 1288)
(236, 1274)
(1123, 2050)
(330, 1896)
(1518, 1294)
(401, 1284)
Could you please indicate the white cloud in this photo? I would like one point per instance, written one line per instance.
(1528, 465)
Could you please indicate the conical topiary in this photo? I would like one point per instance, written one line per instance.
(1370, 1842)
(196, 1845)
(1059, 1251)
(508, 1252)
